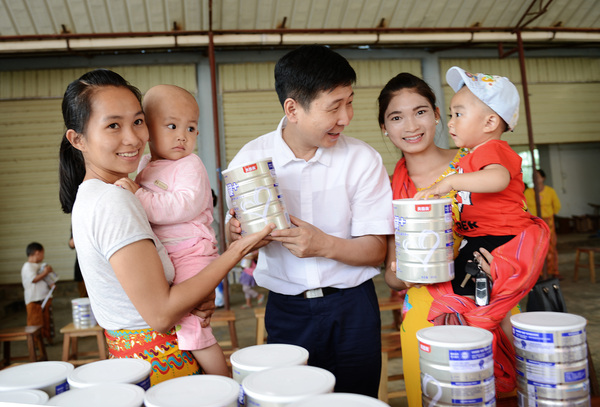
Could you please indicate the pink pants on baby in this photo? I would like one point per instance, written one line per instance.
(189, 261)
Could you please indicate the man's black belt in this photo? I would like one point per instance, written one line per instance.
(318, 292)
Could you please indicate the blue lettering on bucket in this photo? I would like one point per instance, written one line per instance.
(61, 388)
(447, 208)
(467, 401)
(575, 333)
(270, 165)
(470, 354)
(231, 188)
(543, 364)
(575, 376)
(544, 385)
(473, 383)
(399, 221)
(145, 384)
(533, 336)
(241, 397)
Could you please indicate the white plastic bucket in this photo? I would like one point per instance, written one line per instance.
(254, 194)
(35, 397)
(101, 395)
(456, 364)
(339, 400)
(126, 370)
(194, 391)
(260, 357)
(50, 377)
(282, 386)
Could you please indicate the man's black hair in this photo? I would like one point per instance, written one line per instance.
(308, 70)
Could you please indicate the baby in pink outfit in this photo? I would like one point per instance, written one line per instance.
(175, 192)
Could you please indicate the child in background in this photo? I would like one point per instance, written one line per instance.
(489, 182)
(248, 264)
(38, 279)
(175, 192)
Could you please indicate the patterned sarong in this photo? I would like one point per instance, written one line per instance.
(161, 350)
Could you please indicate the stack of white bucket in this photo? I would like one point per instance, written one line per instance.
(424, 240)
(82, 313)
(551, 357)
(254, 194)
(457, 366)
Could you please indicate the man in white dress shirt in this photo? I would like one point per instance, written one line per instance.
(337, 192)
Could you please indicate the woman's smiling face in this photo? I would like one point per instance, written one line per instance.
(115, 135)
(410, 121)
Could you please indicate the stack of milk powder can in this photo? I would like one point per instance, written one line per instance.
(551, 357)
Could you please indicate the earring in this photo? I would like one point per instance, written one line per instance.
(437, 121)
(385, 133)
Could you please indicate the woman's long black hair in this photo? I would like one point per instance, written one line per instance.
(76, 110)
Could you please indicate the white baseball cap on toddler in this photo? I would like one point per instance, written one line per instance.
(498, 92)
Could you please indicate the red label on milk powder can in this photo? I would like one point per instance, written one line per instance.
(423, 208)
(424, 347)
(250, 168)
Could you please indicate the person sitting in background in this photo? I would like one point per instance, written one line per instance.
(549, 206)
(38, 278)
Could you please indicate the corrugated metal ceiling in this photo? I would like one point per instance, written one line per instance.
(47, 19)
(51, 17)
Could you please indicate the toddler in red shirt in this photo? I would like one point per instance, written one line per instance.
(489, 181)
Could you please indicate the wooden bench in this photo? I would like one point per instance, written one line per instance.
(71, 352)
(32, 334)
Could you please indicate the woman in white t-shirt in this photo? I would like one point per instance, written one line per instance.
(126, 269)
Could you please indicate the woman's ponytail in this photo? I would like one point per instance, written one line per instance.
(71, 171)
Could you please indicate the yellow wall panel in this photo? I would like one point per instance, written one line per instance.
(52, 83)
(564, 95)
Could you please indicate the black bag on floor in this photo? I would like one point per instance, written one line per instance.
(546, 296)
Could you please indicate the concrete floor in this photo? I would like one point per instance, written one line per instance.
(581, 297)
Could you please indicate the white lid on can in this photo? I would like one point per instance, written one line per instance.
(126, 370)
(548, 321)
(197, 391)
(339, 400)
(81, 301)
(455, 336)
(410, 201)
(260, 357)
(101, 395)
(28, 396)
(288, 384)
(245, 164)
(36, 375)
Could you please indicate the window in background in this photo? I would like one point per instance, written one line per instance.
(527, 166)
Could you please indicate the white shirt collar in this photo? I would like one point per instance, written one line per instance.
(286, 155)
